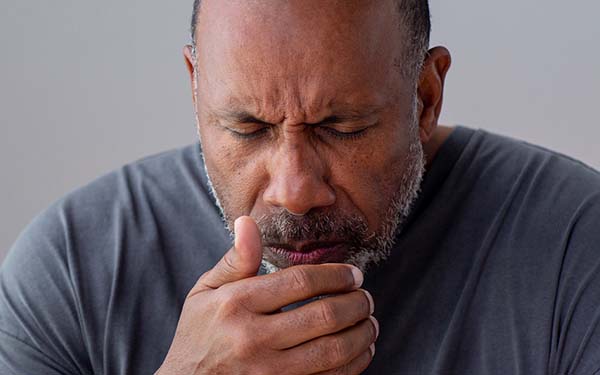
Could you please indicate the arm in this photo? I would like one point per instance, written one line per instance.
(576, 325)
(39, 323)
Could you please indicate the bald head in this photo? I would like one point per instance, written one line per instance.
(414, 23)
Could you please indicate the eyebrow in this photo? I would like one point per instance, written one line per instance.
(354, 113)
(241, 116)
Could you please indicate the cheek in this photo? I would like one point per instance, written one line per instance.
(236, 176)
(369, 180)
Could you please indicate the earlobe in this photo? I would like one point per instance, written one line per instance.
(431, 90)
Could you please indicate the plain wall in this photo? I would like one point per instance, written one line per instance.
(87, 86)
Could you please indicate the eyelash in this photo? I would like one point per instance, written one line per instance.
(343, 135)
(334, 133)
(249, 136)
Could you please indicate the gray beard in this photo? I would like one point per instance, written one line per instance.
(399, 209)
(380, 243)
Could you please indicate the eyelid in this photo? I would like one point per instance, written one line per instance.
(347, 126)
(248, 129)
(252, 120)
(345, 135)
(250, 135)
(262, 128)
(343, 128)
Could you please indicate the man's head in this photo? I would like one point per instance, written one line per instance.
(312, 116)
(413, 20)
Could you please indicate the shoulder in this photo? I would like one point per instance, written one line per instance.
(152, 188)
(551, 206)
(532, 202)
(167, 172)
(538, 212)
(128, 209)
(529, 175)
(144, 232)
(498, 150)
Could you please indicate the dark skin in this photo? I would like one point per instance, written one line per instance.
(297, 78)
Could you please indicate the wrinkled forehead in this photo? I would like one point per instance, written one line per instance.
(285, 50)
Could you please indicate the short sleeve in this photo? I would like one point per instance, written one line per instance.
(39, 319)
(576, 324)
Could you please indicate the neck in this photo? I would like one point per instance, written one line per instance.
(440, 134)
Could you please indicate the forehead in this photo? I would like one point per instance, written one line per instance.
(309, 53)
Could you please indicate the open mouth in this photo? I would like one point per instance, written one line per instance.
(310, 253)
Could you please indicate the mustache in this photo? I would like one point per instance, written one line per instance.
(283, 227)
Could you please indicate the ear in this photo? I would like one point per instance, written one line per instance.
(431, 90)
(189, 62)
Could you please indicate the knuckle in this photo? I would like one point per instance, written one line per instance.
(228, 303)
(226, 293)
(228, 265)
(199, 307)
(327, 315)
(243, 342)
(343, 276)
(300, 278)
(365, 302)
(338, 351)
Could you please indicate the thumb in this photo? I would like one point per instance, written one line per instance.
(241, 261)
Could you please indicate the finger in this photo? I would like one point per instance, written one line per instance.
(356, 366)
(332, 351)
(269, 293)
(318, 318)
(240, 262)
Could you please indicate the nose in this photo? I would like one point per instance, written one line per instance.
(297, 180)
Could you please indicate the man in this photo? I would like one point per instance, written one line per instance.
(389, 244)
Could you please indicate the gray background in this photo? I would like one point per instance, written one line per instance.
(86, 86)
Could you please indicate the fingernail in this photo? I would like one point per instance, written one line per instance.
(372, 350)
(358, 277)
(371, 302)
(236, 226)
(376, 325)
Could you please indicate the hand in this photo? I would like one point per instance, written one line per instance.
(231, 321)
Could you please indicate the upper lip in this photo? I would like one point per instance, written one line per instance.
(304, 246)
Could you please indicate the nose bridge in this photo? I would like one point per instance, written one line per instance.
(297, 177)
(298, 158)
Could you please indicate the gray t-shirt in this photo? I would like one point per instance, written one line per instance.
(496, 272)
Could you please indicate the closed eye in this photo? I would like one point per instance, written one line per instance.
(252, 134)
(355, 134)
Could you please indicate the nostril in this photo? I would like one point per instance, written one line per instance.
(299, 198)
(297, 184)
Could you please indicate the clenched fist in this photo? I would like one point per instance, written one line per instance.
(232, 321)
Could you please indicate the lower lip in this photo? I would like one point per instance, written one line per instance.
(332, 254)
